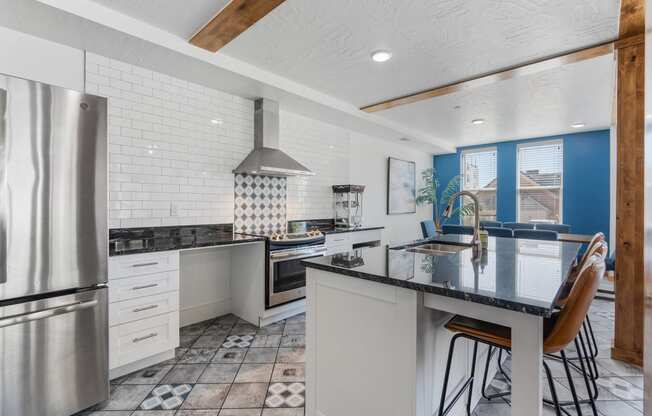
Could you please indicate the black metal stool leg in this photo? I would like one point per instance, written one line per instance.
(553, 390)
(593, 377)
(586, 378)
(571, 384)
(470, 396)
(490, 354)
(451, 348)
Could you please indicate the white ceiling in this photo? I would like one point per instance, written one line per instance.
(545, 103)
(182, 18)
(325, 47)
(328, 43)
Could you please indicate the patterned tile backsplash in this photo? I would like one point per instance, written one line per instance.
(260, 204)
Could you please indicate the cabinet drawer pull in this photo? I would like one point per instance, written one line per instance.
(146, 308)
(154, 263)
(148, 336)
(144, 286)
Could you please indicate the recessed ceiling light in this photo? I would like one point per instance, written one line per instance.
(477, 121)
(578, 125)
(381, 56)
(216, 121)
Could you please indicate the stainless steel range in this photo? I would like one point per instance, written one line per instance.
(286, 277)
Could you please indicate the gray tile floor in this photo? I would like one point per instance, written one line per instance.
(620, 385)
(223, 367)
(227, 367)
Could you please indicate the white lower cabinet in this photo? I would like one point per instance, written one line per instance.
(143, 309)
(140, 339)
(343, 242)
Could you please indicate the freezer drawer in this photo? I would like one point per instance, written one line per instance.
(54, 355)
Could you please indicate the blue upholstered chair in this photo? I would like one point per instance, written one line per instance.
(428, 228)
(560, 228)
(518, 225)
(457, 229)
(536, 234)
(495, 224)
(500, 232)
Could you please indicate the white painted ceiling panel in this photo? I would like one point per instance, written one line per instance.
(537, 105)
(180, 17)
(327, 44)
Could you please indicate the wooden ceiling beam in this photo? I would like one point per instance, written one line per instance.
(231, 21)
(632, 18)
(500, 75)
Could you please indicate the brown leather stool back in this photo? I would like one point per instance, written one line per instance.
(569, 320)
(593, 246)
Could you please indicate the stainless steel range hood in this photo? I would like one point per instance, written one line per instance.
(267, 158)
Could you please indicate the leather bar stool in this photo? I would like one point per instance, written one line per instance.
(562, 297)
(560, 330)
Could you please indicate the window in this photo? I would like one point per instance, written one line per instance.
(479, 176)
(540, 171)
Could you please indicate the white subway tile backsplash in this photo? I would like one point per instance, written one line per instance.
(169, 164)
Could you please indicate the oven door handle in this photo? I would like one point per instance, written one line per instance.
(300, 255)
(295, 256)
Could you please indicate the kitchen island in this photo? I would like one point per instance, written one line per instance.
(375, 337)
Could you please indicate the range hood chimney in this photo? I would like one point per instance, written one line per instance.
(267, 158)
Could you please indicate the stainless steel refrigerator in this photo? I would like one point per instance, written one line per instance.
(53, 249)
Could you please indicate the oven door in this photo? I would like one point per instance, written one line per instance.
(287, 276)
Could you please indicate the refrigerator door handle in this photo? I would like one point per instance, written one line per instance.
(46, 313)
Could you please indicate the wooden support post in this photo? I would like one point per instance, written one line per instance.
(630, 293)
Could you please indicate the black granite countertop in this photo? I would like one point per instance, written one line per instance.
(515, 274)
(150, 239)
(349, 230)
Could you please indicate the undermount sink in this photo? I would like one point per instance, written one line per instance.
(438, 248)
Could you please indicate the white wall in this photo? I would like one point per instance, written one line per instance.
(368, 166)
(29, 57)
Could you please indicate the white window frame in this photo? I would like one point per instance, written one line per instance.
(559, 142)
(462, 171)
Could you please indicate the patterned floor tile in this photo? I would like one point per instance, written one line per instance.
(293, 341)
(184, 374)
(246, 395)
(254, 373)
(209, 341)
(205, 412)
(149, 375)
(238, 341)
(291, 355)
(166, 397)
(229, 356)
(287, 373)
(198, 356)
(284, 412)
(286, 395)
(126, 397)
(266, 341)
(617, 408)
(294, 328)
(219, 373)
(261, 355)
(206, 396)
(240, 412)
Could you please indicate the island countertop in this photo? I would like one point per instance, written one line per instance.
(516, 274)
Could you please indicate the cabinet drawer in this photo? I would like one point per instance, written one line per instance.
(139, 264)
(330, 250)
(140, 308)
(140, 286)
(338, 239)
(140, 339)
(366, 236)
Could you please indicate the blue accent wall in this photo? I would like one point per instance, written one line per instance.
(586, 178)
(447, 166)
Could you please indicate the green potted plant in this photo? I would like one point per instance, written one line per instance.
(431, 194)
